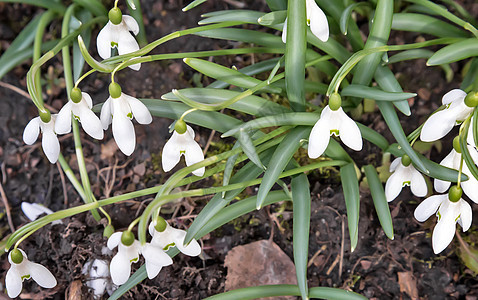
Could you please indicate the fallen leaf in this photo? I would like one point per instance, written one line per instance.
(408, 284)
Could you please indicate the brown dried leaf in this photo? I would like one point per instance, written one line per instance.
(408, 284)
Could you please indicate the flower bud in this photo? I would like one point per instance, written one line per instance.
(456, 144)
(16, 256)
(406, 161)
(108, 231)
(454, 194)
(335, 101)
(161, 224)
(471, 100)
(180, 126)
(115, 90)
(115, 15)
(75, 95)
(127, 238)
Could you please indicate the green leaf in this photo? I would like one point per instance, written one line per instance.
(334, 293)
(48, 4)
(425, 24)
(475, 126)
(22, 41)
(238, 15)
(454, 52)
(277, 4)
(350, 187)
(249, 148)
(244, 35)
(362, 91)
(273, 18)
(464, 149)
(134, 8)
(346, 15)
(379, 200)
(387, 81)
(228, 75)
(231, 161)
(471, 76)
(409, 55)
(301, 225)
(280, 159)
(193, 4)
(94, 6)
(255, 292)
(78, 60)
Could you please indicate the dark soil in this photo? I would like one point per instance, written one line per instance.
(373, 269)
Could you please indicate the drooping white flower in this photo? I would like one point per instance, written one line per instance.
(34, 210)
(336, 123)
(21, 268)
(120, 111)
(316, 19)
(448, 213)
(443, 121)
(119, 36)
(83, 113)
(402, 176)
(182, 144)
(97, 277)
(120, 266)
(50, 143)
(173, 237)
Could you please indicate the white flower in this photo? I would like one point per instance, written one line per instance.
(173, 237)
(83, 113)
(182, 144)
(155, 259)
(402, 176)
(337, 123)
(34, 210)
(97, 277)
(26, 269)
(449, 213)
(119, 36)
(50, 143)
(316, 19)
(120, 111)
(442, 122)
(120, 266)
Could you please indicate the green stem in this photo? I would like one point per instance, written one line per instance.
(71, 176)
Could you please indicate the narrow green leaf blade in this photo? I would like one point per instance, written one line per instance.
(350, 187)
(425, 24)
(334, 293)
(193, 4)
(273, 18)
(454, 52)
(237, 15)
(249, 148)
(362, 91)
(255, 292)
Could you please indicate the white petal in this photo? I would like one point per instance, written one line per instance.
(120, 269)
(171, 153)
(123, 130)
(453, 95)
(87, 99)
(437, 126)
(103, 41)
(418, 184)
(13, 283)
(194, 154)
(428, 207)
(140, 111)
(393, 187)
(152, 269)
(284, 31)
(318, 21)
(32, 130)
(131, 24)
(349, 131)
(50, 145)
(193, 249)
(63, 119)
(320, 134)
(395, 163)
(466, 215)
(41, 275)
(127, 44)
(114, 240)
(443, 234)
(155, 259)
(33, 210)
(90, 123)
(105, 115)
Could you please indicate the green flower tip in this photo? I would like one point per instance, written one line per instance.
(45, 115)
(456, 144)
(455, 193)
(180, 126)
(471, 100)
(127, 238)
(161, 224)
(335, 101)
(406, 161)
(16, 256)
(108, 231)
(115, 15)
(76, 95)
(115, 90)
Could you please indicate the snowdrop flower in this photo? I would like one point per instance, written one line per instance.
(128, 253)
(316, 19)
(333, 120)
(182, 143)
(450, 209)
(453, 160)
(98, 274)
(456, 110)
(34, 210)
(404, 173)
(155, 258)
(21, 268)
(120, 109)
(50, 143)
(80, 105)
(165, 236)
(116, 33)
